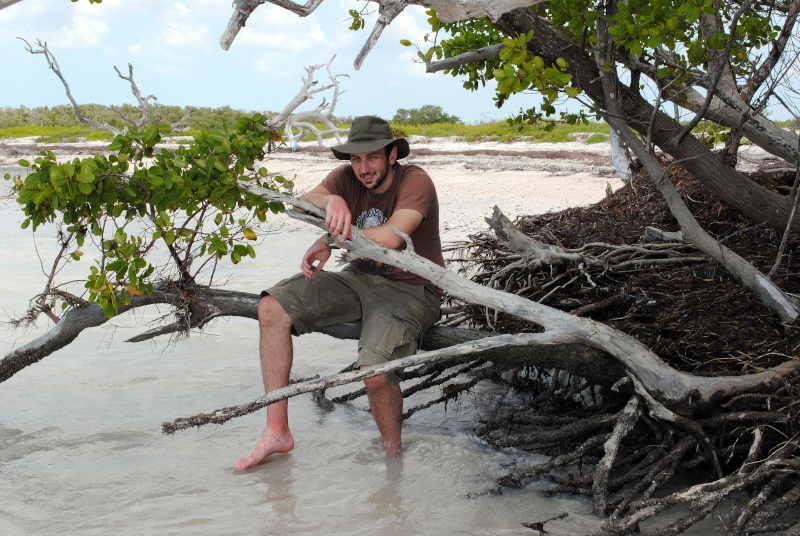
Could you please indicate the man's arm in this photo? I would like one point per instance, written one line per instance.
(405, 219)
(338, 219)
(337, 215)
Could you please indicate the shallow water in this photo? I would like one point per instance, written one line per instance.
(81, 448)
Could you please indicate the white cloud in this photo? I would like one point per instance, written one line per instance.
(82, 32)
(274, 28)
(411, 24)
(181, 8)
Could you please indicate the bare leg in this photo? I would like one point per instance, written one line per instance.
(276, 353)
(386, 403)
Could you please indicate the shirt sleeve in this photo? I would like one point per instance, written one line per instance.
(417, 191)
(336, 182)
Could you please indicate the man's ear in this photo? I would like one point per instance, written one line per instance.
(393, 155)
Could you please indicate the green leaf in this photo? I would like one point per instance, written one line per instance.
(519, 57)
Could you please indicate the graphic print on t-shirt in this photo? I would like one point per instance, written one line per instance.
(373, 217)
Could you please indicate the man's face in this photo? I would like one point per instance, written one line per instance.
(372, 169)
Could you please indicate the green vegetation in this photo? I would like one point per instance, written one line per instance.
(186, 201)
(63, 116)
(56, 134)
(426, 115)
(503, 131)
(60, 124)
(596, 138)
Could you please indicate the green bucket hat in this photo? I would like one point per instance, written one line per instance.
(369, 133)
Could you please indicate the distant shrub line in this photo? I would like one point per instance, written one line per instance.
(58, 123)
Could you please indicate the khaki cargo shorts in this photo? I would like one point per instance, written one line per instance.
(394, 315)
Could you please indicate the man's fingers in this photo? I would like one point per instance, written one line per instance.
(346, 228)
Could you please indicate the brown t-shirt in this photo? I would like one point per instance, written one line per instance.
(411, 188)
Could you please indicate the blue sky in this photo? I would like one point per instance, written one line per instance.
(175, 52)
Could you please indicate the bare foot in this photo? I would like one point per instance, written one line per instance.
(267, 445)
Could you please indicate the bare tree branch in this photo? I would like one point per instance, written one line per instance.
(322, 113)
(7, 3)
(389, 10)
(446, 11)
(244, 8)
(53, 64)
(472, 56)
(145, 104)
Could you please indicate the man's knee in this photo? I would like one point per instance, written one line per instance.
(379, 383)
(271, 314)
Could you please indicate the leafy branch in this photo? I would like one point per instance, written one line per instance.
(143, 198)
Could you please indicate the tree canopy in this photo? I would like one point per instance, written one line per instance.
(425, 115)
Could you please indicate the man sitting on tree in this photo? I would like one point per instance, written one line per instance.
(377, 194)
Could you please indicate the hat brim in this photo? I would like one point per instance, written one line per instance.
(343, 151)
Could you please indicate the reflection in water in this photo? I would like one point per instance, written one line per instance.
(387, 501)
(280, 501)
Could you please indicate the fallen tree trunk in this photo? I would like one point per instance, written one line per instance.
(218, 303)
(683, 393)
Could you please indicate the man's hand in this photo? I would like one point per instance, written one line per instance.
(319, 252)
(337, 215)
(338, 218)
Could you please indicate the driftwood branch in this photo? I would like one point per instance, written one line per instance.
(625, 423)
(302, 122)
(218, 303)
(456, 353)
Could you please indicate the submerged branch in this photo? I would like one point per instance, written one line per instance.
(451, 354)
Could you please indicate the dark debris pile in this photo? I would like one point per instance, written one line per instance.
(695, 316)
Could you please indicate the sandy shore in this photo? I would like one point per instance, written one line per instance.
(471, 177)
(521, 178)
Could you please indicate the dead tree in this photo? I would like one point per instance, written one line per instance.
(296, 124)
(146, 104)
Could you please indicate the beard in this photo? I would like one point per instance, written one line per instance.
(380, 177)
